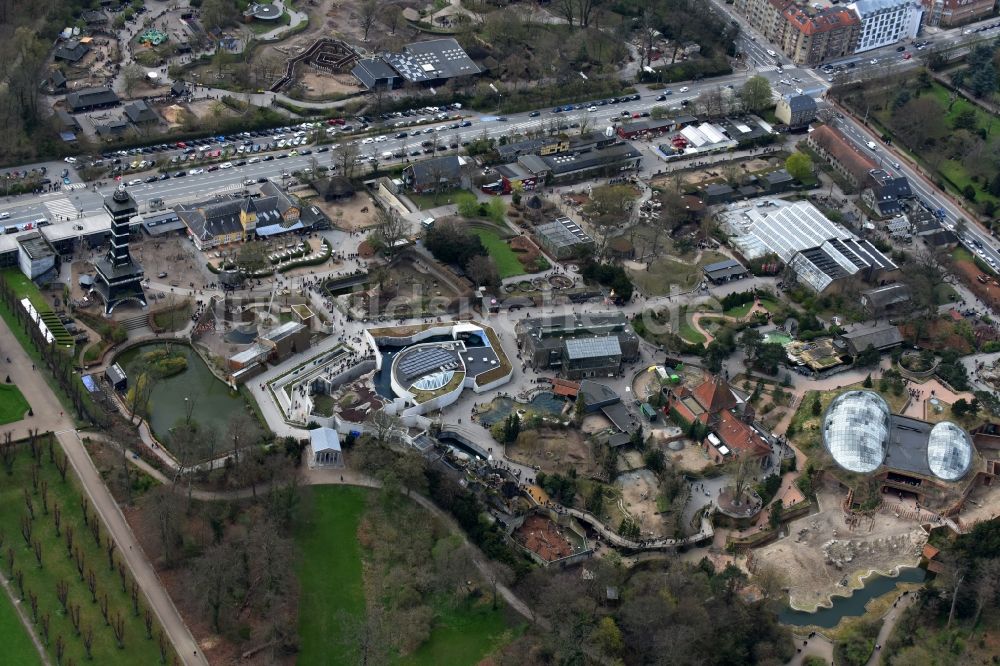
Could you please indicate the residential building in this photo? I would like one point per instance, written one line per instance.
(765, 16)
(812, 36)
(952, 13)
(847, 160)
(89, 99)
(796, 110)
(726, 416)
(435, 174)
(578, 346)
(885, 193)
(430, 63)
(885, 22)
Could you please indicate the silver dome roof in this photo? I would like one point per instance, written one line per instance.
(856, 430)
(949, 451)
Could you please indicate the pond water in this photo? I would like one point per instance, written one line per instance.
(544, 403)
(777, 337)
(854, 605)
(214, 403)
(382, 378)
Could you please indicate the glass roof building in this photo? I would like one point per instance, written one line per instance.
(949, 451)
(856, 430)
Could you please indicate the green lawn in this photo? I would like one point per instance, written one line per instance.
(665, 272)
(506, 259)
(427, 201)
(689, 333)
(57, 566)
(329, 572)
(17, 646)
(23, 287)
(12, 404)
(739, 311)
(462, 637)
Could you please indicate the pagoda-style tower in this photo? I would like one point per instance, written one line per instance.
(119, 278)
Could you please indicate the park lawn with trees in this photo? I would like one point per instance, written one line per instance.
(43, 484)
(13, 405)
(329, 570)
(17, 646)
(400, 593)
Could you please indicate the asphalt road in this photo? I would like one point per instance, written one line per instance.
(860, 136)
(65, 203)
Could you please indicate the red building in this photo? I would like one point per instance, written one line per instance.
(726, 417)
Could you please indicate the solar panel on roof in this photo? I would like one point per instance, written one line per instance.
(422, 361)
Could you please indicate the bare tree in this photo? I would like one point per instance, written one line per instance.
(987, 585)
(482, 270)
(391, 228)
(345, 157)
(367, 15)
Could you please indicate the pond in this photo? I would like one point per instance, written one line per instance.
(854, 605)
(777, 337)
(544, 403)
(214, 403)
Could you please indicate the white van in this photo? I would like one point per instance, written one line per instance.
(772, 53)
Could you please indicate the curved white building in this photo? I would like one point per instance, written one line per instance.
(856, 430)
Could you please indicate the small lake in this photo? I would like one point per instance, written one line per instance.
(214, 403)
(854, 605)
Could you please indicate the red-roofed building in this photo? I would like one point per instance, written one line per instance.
(726, 417)
(811, 37)
(950, 13)
(847, 160)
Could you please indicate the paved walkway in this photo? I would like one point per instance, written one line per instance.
(49, 416)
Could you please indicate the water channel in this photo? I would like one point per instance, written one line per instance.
(854, 605)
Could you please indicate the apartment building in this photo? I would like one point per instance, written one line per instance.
(952, 13)
(885, 22)
(812, 37)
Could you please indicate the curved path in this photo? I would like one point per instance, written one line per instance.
(697, 316)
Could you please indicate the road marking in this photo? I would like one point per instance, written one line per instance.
(61, 208)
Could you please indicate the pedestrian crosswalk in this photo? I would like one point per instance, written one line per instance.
(766, 68)
(61, 209)
(74, 186)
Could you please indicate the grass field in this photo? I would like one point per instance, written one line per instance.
(17, 646)
(462, 636)
(428, 201)
(12, 404)
(689, 333)
(665, 272)
(57, 566)
(506, 259)
(739, 311)
(330, 573)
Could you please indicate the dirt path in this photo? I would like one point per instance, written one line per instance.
(697, 316)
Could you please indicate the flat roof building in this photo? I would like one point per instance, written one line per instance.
(578, 346)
